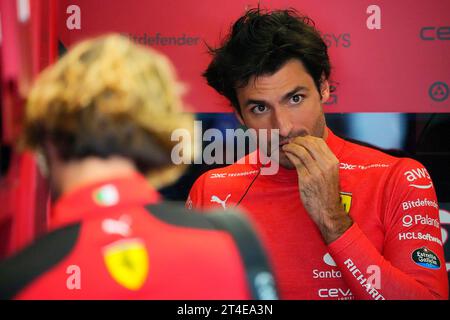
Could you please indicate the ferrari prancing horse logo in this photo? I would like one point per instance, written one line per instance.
(127, 262)
(346, 200)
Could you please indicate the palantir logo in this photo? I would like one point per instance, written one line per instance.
(407, 221)
(328, 259)
(438, 91)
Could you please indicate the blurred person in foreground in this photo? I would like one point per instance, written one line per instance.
(341, 221)
(102, 119)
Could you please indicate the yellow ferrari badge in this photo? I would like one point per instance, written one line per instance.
(346, 200)
(127, 262)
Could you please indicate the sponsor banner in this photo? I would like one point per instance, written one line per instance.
(362, 36)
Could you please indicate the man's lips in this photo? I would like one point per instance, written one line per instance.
(282, 143)
(290, 139)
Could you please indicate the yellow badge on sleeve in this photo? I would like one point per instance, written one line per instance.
(346, 200)
(127, 262)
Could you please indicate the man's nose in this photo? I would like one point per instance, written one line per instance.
(282, 121)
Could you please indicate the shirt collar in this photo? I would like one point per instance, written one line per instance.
(99, 197)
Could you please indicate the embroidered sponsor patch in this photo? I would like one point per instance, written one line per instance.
(426, 258)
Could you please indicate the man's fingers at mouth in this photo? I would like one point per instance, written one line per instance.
(293, 159)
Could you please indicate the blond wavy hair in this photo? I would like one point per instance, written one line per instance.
(109, 96)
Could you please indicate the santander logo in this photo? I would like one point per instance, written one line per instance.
(328, 259)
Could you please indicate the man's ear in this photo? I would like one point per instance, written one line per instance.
(51, 155)
(45, 157)
(325, 90)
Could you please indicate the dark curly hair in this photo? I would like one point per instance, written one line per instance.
(261, 42)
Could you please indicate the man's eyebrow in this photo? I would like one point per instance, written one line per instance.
(294, 91)
(253, 101)
(285, 97)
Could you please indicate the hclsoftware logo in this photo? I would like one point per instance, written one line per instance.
(438, 91)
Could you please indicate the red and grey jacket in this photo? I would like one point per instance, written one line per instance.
(117, 240)
(393, 250)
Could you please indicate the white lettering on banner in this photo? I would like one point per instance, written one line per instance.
(406, 205)
(418, 236)
(370, 288)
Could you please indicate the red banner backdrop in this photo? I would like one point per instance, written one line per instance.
(388, 56)
(27, 45)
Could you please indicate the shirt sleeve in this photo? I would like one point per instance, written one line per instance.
(195, 197)
(411, 264)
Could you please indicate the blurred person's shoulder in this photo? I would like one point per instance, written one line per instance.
(45, 254)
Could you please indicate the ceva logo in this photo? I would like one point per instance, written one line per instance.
(435, 33)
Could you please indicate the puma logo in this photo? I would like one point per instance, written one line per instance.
(223, 203)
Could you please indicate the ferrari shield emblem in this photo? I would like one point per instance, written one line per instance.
(346, 200)
(127, 262)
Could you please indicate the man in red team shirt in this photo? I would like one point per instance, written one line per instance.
(102, 117)
(341, 221)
